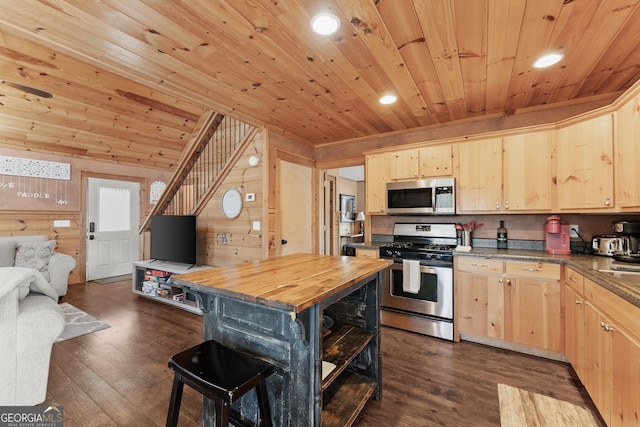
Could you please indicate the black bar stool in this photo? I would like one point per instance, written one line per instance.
(223, 375)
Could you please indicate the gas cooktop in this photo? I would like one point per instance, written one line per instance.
(425, 242)
(412, 246)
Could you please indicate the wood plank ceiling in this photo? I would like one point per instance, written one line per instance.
(131, 79)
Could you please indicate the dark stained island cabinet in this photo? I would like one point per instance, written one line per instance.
(274, 309)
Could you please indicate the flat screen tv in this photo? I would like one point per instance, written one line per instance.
(174, 238)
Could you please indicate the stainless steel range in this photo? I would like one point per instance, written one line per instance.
(417, 293)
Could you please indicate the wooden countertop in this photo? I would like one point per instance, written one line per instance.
(292, 282)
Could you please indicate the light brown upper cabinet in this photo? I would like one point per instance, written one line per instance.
(507, 174)
(528, 173)
(585, 165)
(628, 154)
(480, 176)
(417, 163)
(377, 176)
(420, 163)
(435, 161)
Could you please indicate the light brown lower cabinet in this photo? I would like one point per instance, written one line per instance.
(603, 346)
(574, 309)
(515, 301)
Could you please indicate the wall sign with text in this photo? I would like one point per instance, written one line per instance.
(40, 180)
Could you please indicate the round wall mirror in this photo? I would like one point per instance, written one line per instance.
(231, 203)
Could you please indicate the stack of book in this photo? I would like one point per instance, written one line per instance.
(157, 282)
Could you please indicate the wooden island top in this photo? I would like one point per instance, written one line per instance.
(291, 282)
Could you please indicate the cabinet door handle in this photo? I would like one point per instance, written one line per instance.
(479, 265)
(579, 302)
(573, 279)
(532, 269)
(508, 282)
(607, 201)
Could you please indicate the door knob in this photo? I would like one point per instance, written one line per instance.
(283, 241)
(91, 237)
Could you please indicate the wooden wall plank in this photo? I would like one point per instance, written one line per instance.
(20, 223)
(586, 53)
(471, 21)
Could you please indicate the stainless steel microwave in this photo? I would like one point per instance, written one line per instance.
(422, 197)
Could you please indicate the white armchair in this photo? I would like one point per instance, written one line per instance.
(30, 322)
(34, 252)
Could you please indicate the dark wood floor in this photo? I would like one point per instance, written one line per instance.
(119, 376)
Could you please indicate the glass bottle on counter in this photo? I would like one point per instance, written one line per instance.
(502, 236)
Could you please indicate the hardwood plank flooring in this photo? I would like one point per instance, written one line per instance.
(119, 376)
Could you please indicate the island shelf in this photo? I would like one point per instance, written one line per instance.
(345, 391)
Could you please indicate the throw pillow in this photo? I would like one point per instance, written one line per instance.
(35, 255)
(8, 254)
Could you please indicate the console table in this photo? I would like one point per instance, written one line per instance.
(274, 309)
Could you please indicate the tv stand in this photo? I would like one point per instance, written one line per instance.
(151, 279)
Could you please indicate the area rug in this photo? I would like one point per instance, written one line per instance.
(113, 279)
(519, 407)
(78, 323)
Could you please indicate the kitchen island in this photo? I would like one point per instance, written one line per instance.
(299, 312)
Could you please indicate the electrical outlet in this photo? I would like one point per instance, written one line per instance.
(574, 230)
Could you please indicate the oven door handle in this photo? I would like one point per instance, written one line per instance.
(423, 268)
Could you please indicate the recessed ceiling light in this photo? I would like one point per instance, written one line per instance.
(388, 99)
(325, 24)
(548, 60)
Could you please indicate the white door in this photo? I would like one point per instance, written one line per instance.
(294, 205)
(113, 218)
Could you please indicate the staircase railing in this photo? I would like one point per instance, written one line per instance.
(201, 167)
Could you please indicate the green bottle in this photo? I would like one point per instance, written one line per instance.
(502, 236)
